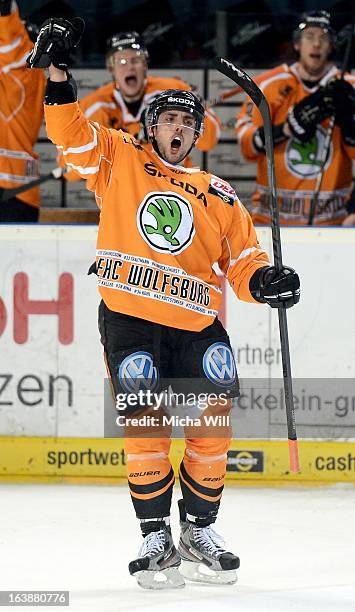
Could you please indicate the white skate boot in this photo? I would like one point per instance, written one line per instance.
(203, 556)
(157, 565)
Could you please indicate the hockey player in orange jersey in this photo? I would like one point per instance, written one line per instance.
(120, 104)
(163, 228)
(21, 113)
(303, 97)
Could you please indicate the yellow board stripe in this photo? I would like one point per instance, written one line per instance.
(103, 460)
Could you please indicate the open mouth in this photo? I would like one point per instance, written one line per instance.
(131, 80)
(176, 144)
(315, 56)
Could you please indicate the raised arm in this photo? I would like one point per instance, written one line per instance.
(86, 147)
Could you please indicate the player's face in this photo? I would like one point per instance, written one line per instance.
(175, 135)
(129, 71)
(314, 48)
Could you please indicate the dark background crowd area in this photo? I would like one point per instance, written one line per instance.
(190, 33)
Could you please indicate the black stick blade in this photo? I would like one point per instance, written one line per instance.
(241, 78)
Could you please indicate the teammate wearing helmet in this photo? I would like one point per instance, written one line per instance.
(120, 103)
(21, 113)
(303, 97)
(162, 229)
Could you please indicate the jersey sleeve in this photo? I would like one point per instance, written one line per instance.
(249, 118)
(15, 43)
(96, 110)
(86, 147)
(350, 151)
(248, 121)
(242, 254)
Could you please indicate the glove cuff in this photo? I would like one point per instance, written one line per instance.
(278, 136)
(60, 93)
(256, 283)
(278, 133)
(297, 130)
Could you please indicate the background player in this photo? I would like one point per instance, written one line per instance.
(302, 98)
(121, 103)
(162, 227)
(21, 112)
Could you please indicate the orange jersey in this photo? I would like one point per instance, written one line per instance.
(296, 164)
(21, 109)
(162, 227)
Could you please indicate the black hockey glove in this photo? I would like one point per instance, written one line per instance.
(304, 117)
(5, 7)
(278, 136)
(343, 94)
(278, 289)
(56, 39)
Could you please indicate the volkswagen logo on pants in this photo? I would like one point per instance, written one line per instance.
(219, 364)
(137, 372)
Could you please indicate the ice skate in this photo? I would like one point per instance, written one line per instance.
(203, 556)
(157, 565)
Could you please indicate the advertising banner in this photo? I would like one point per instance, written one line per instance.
(103, 460)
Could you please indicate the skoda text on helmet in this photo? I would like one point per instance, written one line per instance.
(126, 40)
(176, 99)
(315, 19)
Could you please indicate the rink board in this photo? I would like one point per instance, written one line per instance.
(103, 460)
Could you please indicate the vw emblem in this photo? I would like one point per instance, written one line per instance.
(137, 372)
(219, 364)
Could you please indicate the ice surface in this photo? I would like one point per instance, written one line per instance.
(297, 549)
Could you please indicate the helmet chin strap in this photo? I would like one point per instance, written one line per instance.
(155, 145)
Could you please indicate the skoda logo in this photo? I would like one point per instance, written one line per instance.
(137, 372)
(304, 159)
(165, 221)
(219, 364)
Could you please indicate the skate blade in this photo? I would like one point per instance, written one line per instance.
(198, 572)
(169, 578)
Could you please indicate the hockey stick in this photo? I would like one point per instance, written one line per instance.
(241, 78)
(7, 194)
(329, 134)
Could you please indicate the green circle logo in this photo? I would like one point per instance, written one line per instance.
(165, 221)
(303, 159)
